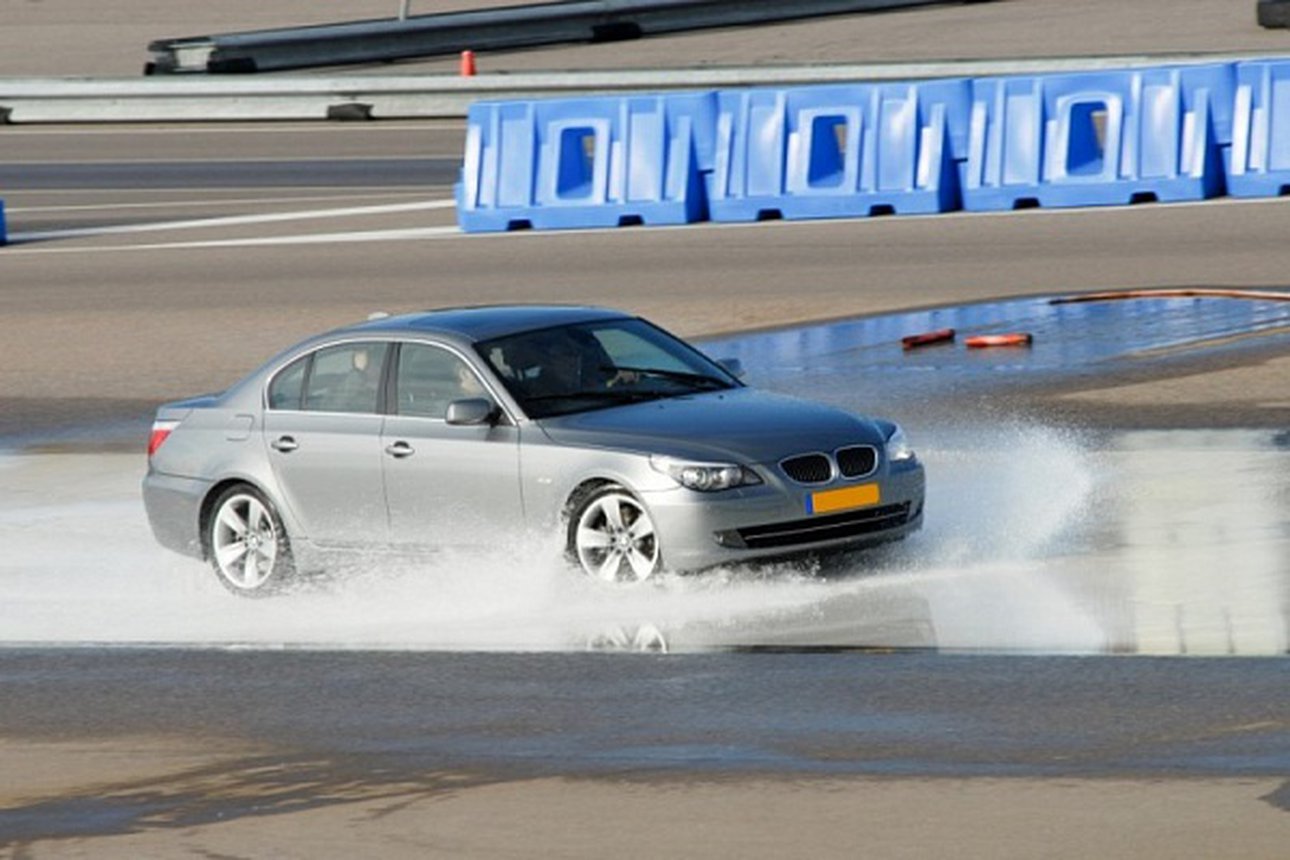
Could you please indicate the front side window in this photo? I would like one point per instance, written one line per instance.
(575, 368)
(345, 378)
(429, 378)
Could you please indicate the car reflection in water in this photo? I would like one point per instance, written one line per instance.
(1175, 545)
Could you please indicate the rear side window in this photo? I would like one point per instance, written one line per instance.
(345, 378)
(288, 386)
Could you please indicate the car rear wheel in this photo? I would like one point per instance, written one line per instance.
(613, 537)
(248, 545)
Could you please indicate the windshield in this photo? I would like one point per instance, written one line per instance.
(575, 368)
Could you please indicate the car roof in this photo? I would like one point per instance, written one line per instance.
(484, 322)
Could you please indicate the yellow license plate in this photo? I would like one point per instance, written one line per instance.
(828, 501)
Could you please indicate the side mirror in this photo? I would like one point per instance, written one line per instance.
(732, 366)
(471, 412)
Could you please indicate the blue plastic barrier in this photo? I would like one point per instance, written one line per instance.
(1169, 133)
(1259, 165)
(838, 151)
(589, 162)
(4, 237)
(1098, 138)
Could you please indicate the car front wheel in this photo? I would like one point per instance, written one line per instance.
(613, 537)
(248, 545)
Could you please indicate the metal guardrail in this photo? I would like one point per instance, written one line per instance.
(202, 99)
(480, 30)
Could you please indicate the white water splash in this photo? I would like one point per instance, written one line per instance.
(1027, 546)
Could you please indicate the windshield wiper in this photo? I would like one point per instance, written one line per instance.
(584, 401)
(699, 380)
(611, 394)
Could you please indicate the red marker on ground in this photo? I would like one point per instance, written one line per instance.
(914, 341)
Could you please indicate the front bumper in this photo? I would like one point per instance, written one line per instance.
(699, 530)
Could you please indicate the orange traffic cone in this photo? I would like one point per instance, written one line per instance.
(467, 65)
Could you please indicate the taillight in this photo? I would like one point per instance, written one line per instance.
(161, 430)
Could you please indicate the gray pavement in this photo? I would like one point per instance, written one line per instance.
(149, 298)
(561, 714)
(110, 38)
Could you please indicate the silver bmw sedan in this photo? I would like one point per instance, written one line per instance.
(448, 427)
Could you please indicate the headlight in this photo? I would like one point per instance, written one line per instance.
(898, 449)
(705, 477)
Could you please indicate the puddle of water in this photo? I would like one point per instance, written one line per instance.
(864, 356)
(1197, 544)
(1156, 543)
(1036, 539)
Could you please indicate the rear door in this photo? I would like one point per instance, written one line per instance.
(323, 432)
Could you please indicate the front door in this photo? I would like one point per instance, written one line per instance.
(446, 485)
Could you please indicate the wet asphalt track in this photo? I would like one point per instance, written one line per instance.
(378, 714)
(910, 714)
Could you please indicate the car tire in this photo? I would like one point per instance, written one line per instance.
(613, 538)
(247, 544)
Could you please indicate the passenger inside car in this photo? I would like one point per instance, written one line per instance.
(430, 378)
(356, 392)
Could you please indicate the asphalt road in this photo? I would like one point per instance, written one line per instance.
(563, 714)
(91, 176)
(164, 285)
(343, 727)
(110, 37)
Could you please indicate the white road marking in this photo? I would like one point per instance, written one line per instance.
(231, 221)
(314, 239)
(350, 191)
(258, 159)
(414, 233)
(295, 128)
(226, 201)
(309, 239)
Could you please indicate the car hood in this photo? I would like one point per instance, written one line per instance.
(742, 424)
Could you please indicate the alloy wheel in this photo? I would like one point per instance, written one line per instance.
(246, 544)
(615, 539)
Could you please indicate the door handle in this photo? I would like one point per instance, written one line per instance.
(400, 450)
(285, 444)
